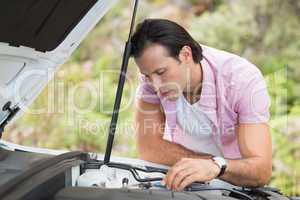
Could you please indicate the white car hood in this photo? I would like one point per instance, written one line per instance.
(37, 37)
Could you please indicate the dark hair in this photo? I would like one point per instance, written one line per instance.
(166, 33)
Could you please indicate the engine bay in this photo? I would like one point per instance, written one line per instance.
(77, 175)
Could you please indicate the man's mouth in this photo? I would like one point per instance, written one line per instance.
(165, 93)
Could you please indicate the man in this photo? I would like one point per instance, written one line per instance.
(200, 110)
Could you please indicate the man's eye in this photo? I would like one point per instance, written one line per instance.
(160, 72)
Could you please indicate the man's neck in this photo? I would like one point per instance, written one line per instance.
(194, 86)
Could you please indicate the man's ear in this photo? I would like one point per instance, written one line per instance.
(185, 54)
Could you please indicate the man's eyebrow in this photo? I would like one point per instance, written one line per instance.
(155, 71)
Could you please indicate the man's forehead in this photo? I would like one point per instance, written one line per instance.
(155, 50)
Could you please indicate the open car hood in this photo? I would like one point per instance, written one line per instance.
(37, 37)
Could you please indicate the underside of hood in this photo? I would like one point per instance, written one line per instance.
(40, 24)
(36, 37)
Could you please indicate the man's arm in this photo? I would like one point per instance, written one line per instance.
(254, 139)
(255, 167)
(149, 126)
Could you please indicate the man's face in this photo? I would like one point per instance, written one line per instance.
(167, 75)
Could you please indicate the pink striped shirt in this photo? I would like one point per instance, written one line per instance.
(233, 91)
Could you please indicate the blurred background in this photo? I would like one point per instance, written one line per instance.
(79, 100)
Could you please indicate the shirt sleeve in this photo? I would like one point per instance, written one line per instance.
(146, 92)
(254, 100)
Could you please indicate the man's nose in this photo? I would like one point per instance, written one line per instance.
(156, 82)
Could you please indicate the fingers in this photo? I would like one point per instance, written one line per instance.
(181, 176)
(171, 175)
(187, 181)
(181, 165)
(187, 171)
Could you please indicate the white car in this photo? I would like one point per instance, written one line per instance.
(36, 37)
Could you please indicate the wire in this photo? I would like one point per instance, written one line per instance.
(134, 172)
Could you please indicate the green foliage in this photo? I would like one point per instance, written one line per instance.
(286, 147)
